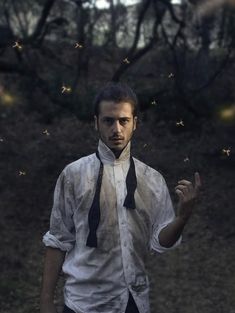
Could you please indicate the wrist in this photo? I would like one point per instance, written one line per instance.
(47, 298)
(182, 220)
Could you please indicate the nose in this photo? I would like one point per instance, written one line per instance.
(116, 127)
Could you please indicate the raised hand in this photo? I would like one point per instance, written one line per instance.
(187, 193)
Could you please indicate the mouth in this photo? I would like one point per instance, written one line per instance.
(116, 139)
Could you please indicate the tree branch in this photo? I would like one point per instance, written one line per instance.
(138, 26)
(42, 20)
(215, 74)
(170, 8)
(130, 54)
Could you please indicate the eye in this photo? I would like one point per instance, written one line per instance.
(124, 121)
(108, 121)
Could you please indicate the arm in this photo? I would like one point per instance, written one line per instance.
(172, 232)
(59, 240)
(187, 195)
(52, 267)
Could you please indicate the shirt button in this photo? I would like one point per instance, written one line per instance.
(136, 288)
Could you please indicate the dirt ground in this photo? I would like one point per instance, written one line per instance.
(198, 276)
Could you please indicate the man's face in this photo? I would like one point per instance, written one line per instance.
(115, 124)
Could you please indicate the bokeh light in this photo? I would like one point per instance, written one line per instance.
(6, 99)
(227, 114)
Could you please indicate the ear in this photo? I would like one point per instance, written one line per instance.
(135, 122)
(96, 122)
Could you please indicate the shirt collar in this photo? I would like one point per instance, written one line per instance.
(107, 155)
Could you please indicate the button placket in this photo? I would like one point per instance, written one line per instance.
(122, 219)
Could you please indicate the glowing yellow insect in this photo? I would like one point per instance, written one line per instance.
(78, 45)
(65, 89)
(154, 102)
(226, 151)
(180, 123)
(17, 45)
(22, 173)
(126, 61)
(46, 132)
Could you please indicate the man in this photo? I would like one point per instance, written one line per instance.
(109, 211)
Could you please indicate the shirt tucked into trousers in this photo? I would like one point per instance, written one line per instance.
(100, 279)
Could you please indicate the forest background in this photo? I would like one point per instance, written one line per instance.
(180, 60)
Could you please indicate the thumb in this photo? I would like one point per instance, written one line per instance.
(180, 195)
(197, 181)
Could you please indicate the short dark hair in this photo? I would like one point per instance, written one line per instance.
(117, 92)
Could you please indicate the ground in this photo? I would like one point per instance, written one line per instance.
(197, 277)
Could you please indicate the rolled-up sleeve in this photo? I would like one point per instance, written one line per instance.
(61, 234)
(165, 215)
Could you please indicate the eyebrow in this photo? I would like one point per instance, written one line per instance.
(112, 118)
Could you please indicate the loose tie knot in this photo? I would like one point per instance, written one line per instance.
(94, 212)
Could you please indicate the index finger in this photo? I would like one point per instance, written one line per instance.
(197, 180)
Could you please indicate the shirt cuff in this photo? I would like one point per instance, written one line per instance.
(155, 244)
(50, 240)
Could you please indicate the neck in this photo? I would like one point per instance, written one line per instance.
(111, 154)
(117, 153)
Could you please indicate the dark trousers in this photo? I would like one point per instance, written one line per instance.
(131, 306)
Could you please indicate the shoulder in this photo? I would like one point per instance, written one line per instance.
(148, 173)
(81, 165)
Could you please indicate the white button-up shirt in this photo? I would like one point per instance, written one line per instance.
(98, 280)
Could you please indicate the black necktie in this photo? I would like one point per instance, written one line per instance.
(94, 212)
